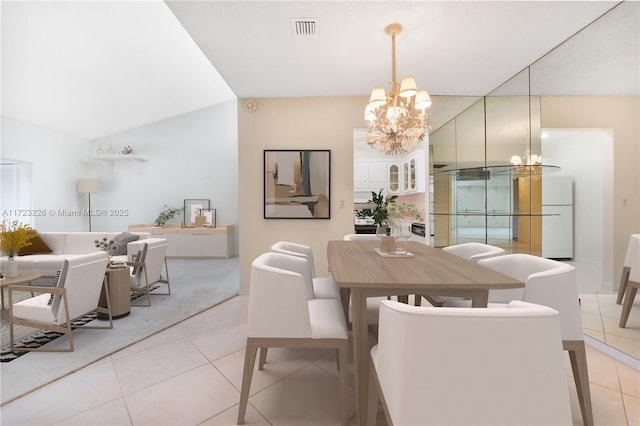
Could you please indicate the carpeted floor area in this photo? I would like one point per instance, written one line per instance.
(196, 285)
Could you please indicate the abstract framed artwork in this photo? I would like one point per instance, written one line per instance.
(297, 184)
(210, 217)
(192, 209)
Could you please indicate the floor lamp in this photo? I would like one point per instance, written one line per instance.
(87, 186)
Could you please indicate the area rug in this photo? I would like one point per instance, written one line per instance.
(196, 285)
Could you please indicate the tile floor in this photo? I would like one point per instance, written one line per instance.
(190, 374)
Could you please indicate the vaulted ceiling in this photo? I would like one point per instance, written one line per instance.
(92, 69)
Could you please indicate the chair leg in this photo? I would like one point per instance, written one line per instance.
(372, 395)
(249, 362)
(578, 357)
(343, 367)
(344, 299)
(624, 279)
(630, 295)
(263, 358)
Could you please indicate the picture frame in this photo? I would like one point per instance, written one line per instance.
(297, 184)
(210, 215)
(192, 209)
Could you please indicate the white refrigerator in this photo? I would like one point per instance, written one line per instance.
(557, 217)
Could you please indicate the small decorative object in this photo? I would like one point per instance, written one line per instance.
(166, 213)
(110, 150)
(200, 221)
(100, 151)
(104, 244)
(13, 237)
(210, 216)
(127, 150)
(251, 105)
(192, 209)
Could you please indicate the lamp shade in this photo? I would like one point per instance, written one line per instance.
(378, 96)
(423, 100)
(88, 186)
(408, 87)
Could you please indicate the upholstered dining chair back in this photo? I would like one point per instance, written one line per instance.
(474, 251)
(323, 287)
(278, 285)
(633, 283)
(547, 282)
(296, 249)
(360, 237)
(463, 366)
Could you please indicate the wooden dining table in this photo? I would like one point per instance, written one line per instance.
(359, 270)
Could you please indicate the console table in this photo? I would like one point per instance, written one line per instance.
(208, 243)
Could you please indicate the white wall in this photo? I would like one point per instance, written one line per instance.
(194, 155)
(191, 156)
(57, 160)
(586, 155)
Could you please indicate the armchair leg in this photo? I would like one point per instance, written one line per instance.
(629, 297)
(578, 357)
(249, 362)
(624, 279)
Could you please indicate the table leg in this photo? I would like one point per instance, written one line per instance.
(480, 298)
(360, 330)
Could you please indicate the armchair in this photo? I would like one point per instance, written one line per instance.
(147, 270)
(76, 294)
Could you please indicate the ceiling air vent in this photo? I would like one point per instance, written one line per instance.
(304, 27)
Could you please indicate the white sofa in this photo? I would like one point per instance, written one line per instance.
(68, 245)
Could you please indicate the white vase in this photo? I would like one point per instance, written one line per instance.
(11, 269)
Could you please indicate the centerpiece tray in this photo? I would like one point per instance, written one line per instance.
(383, 254)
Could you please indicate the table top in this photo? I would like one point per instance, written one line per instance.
(355, 264)
(23, 277)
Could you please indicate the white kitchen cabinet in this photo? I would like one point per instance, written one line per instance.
(369, 176)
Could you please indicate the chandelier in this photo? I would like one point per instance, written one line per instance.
(530, 168)
(398, 119)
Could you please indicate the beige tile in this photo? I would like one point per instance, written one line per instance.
(222, 340)
(187, 399)
(309, 396)
(598, 335)
(155, 364)
(280, 363)
(602, 369)
(162, 337)
(76, 393)
(629, 379)
(592, 322)
(232, 310)
(632, 409)
(607, 407)
(112, 413)
(230, 417)
(589, 304)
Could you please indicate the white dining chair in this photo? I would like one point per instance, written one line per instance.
(471, 251)
(474, 251)
(633, 282)
(283, 313)
(446, 373)
(632, 254)
(323, 287)
(360, 237)
(551, 283)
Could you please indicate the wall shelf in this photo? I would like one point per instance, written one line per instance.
(119, 157)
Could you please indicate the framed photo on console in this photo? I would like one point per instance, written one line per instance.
(297, 184)
(210, 215)
(192, 209)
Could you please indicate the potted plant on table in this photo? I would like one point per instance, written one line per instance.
(166, 214)
(13, 237)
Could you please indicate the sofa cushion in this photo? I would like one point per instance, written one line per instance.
(120, 242)
(37, 246)
(82, 242)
